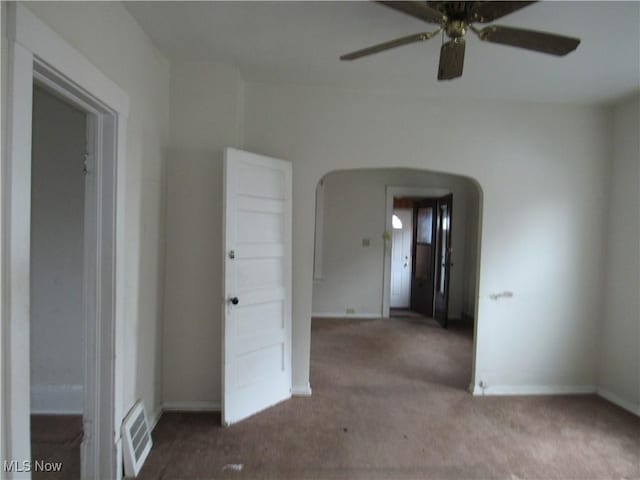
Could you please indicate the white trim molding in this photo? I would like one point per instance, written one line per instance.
(522, 390)
(345, 315)
(301, 390)
(33, 34)
(16, 203)
(202, 406)
(619, 401)
(37, 52)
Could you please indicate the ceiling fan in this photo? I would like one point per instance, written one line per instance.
(455, 18)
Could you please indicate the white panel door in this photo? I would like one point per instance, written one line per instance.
(401, 259)
(256, 327)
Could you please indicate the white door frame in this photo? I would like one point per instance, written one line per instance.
(37, 53)
(388, 229)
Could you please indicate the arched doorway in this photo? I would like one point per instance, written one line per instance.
(355, 274)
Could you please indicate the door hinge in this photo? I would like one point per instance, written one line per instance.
(86, 169)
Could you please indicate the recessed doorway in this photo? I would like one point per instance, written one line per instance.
(58, 331)
(421, 256)
(353, 240)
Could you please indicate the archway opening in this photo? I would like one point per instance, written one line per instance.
(395, 291)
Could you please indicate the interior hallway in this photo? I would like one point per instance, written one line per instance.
(390, 401)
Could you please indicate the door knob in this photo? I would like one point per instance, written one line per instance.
(234, 300)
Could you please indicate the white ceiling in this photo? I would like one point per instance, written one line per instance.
(300, 42)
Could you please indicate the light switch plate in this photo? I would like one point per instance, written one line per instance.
(366, 242)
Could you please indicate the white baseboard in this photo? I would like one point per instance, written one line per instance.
(155, 418)
(345, 315)
(534, 390)
(301, 390)
(618, 400)
(57, 399)
(191, 406)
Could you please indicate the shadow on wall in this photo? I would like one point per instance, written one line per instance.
(150, 257)
(193, 276)
(350, 247)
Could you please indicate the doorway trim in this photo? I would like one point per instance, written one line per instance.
(37, 53)
(395, 191)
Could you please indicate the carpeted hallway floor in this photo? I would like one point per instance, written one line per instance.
(57, 438)
(390, 402)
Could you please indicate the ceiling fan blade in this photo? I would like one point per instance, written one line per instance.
(485, 12)
(451, 59)
(531, 40)
(398, 42)
(418, 10)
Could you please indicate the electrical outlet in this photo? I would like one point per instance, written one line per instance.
(351, 310)
(366, 242)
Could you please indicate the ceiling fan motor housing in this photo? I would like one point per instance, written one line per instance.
(456, 28)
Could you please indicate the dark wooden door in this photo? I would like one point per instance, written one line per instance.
(424, 241)
(443, 259)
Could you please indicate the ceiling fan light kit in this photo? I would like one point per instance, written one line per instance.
(455, 18)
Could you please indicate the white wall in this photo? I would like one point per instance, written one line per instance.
(542, 169)
(619, 377)
(471, 250)
(206, 112)
(354, 209)
(111, 39)
(57, 251)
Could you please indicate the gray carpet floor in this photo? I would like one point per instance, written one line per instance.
(56, 438)
(390, 401)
